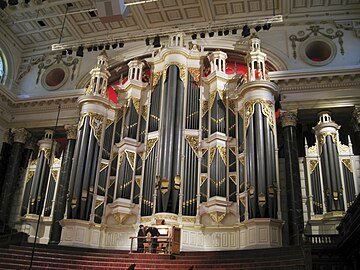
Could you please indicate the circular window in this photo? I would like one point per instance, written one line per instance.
(318, 51)
(55, 77)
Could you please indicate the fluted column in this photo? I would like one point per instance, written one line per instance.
(12, 172)
(356, 126)
(293, 187)
(63, 185)
(4, 156)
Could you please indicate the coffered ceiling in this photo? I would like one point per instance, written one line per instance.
(39, 24)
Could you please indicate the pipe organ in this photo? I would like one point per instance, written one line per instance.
(330, 170)
(192, 147)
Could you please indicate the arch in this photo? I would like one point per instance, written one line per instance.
(8, 69)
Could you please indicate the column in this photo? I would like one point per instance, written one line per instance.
(12, 172)
(356, 126)
(4, 156)
(63, 185)
(293, 186)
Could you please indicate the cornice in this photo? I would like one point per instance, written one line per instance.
(288, 75)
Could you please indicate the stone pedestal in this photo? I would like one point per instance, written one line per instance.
(80, 233)
(261, 233)
(29, 224)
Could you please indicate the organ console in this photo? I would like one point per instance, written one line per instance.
(168, 242)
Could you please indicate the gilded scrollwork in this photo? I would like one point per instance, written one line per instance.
(312, 149)
(267, 108)
(136, 103)
(203, 179)
(96, 123)
(347, 163)
(55, 174)
(222, 151)
(217, 217)
(156, 78)
(130, 156)
(205, 107)
(313, 164)
(194, 143)
(212, 153)
(181, 67)
(29, 176)
(144, 111)
(150, 145)
(322, 138)
(344, 148)
(195, 73)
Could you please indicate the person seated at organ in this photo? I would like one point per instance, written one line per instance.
(153, 231)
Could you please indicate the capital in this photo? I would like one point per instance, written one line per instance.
(7, 136)
(288, 118)
(20, 134)
(71, 131)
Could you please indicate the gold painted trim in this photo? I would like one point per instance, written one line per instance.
(313, 164)
(130, 156)
(347, 163)
(55, 174)
(322, 138)
(193, 141)
(149, 146)
(29, 176)
(156, 78)
(217, 217)
(195, 73)
(203, 179)
(267, 108)
(103, 165)
(181, 67)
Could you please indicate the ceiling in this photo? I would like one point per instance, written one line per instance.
(39, 24)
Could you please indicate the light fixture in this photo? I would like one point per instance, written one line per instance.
(138, 2)
(246, 31)
(258, 28)
(267, 26)
(190, 31)
(13, 2)
(3, 4)
(80, 51)
(156, 42)
(92, 13)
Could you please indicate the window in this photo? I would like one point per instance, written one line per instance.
(2, 68)
(318, 51)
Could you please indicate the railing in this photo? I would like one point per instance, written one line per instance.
(162, 244)
(322, 239)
